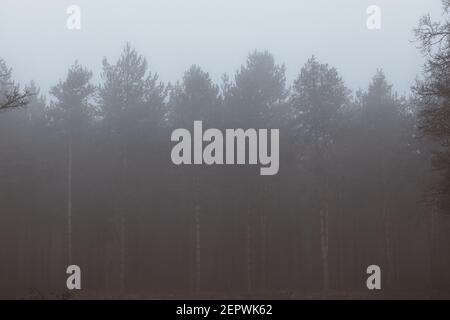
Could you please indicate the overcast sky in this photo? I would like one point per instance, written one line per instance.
(215, 34)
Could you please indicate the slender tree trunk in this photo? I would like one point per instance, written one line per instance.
(387, 228)
(340, 234)
(434, 223)
(122, 253)
(388, 239)
(248, 247)
(323, 216)
(122, 264)
(264, 251)
(324, 235)
(249, 260)
(324, 246)
(197, 251)
(69, 202)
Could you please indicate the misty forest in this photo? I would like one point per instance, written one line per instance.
(364, 179)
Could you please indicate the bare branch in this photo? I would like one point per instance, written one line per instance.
(15, 99)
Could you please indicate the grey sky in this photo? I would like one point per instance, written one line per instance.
(215, 34)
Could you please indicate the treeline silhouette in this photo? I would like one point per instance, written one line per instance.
(87, 179)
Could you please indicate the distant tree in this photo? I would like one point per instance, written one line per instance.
(37, 102)
(385, 135)
(73, 106)
(253, 100)
(380, 105)
(319, 94)
(433, 95)
(70, 112)
(195, 98)
(259, 88)
(130, 92)
(132, 101)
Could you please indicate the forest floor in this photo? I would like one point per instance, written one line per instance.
(278, 296)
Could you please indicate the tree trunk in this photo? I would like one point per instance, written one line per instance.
(324, 234)
(123, 222)
(387, 228)
(249, 260)
(264, 266)
(388, 241)
(122, 253)
(324, 246)
(248, 247)
(69, 202)
(197, 250)
(433, 236)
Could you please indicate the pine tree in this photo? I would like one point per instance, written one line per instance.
(319, 94)
(132, 100)
(195, 98)
(71, 112)
(259, 87)
(256, 94)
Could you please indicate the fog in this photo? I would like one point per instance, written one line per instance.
(295, 177)
(215, 34)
